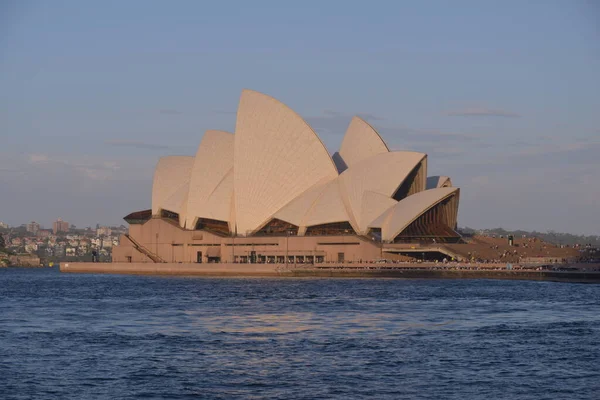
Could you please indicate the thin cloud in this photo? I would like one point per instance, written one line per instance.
(331, 126)
(558, 148)
(370, 117)
(449, 151)
(224, 112)
(417, 135)
(365, 116)
(136, 144)
(334, 122)
(482, 112)
(37, 158)
(480, 180)
(168, 111)
(63, 165)
(333, 113)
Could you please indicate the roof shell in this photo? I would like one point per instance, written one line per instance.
(169, 187)
(295, 211)
(360, 142)
(177, 202)
(373, 205)
(321, 204)
(381, 173)
(277, 158)
(393, 221)
(328, 208)
(213, 161)
(218, 205)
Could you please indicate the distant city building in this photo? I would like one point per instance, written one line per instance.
(83, 248)
(59, 250)
(43, 233)
(3, 225)
(33, 227)
(104, 230)
(60, 226)
(31, 248)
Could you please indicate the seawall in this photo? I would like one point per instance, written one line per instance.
(173, 269)
(281, 270)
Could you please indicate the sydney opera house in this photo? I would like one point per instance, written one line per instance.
(271, 193)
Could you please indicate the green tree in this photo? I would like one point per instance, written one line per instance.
(2, 243)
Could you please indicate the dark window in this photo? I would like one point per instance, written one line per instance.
(277, 227)
(213, 226)
(336, 228)
(169, 215)
(375, 234)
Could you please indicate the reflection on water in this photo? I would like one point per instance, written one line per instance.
(294, 322)
(103, 336)
(260, 323)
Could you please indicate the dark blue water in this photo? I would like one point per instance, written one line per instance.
(105, 336)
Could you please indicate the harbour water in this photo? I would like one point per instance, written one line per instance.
(71, 336)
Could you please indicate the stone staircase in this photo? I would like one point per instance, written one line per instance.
(145, 251)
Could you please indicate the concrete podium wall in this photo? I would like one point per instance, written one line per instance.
(223, 269)
(175, 245)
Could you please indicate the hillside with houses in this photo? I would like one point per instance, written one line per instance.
(28, 242)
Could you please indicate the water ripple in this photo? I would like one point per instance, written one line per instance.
(127, 337)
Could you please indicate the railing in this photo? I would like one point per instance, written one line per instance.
(417, 248)
(139, 247)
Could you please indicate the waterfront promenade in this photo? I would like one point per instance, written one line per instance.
(589, 273)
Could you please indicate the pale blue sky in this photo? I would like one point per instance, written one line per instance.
(504, 96)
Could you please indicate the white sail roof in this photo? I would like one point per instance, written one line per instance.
(328, 208)
(219, 203)
(171, 180)
(393, 221)
(360, 142)
(214, 160)
(373, 205)
(382, 173)
(177, 202)
(295, 211)
(277, 157)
